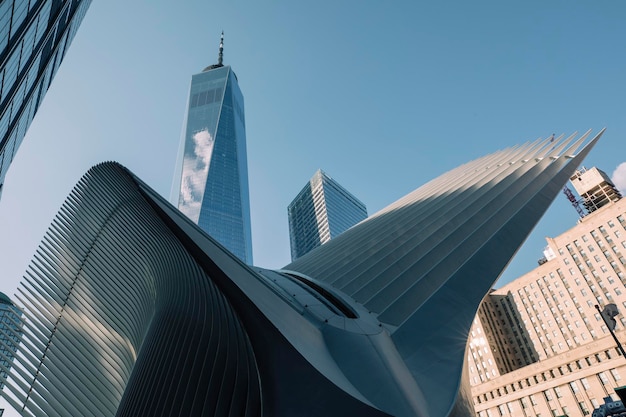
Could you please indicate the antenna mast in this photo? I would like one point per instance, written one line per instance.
(220, 57)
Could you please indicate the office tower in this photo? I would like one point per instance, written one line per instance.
(132, 310)
(320, 212)
(211, 181)
(9, 334)
(34, 37)
(538, 345)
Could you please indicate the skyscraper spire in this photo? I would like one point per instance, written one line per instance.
(220, 57)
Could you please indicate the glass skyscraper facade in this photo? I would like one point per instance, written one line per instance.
(211, 183)
(34, 37)
(9, 329)
(320, 212)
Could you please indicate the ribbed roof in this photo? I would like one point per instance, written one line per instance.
(399, 257)
(423, 264)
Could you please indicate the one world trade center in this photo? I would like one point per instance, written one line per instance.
(211, 180)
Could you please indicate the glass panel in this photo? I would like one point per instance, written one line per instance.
(20, 9)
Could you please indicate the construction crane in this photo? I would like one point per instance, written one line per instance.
(570, 196)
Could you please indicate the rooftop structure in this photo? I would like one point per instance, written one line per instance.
(595, 188)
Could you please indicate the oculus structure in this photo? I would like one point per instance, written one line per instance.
(130, 309)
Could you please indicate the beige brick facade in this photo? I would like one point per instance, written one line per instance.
(538, 347)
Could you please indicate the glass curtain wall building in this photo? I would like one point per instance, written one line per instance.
(9, 334)
(34, 37)
(211, 180)
(320, 212)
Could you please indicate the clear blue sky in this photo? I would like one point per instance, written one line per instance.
(383, 96)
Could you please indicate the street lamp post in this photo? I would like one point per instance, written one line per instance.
(610, 311)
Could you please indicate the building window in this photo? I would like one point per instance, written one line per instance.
(603, 378)
(585, 383)
(548, 395)
(615, 374)
(524, 403)
(557, 391)
(583, 408)
(574, 386)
